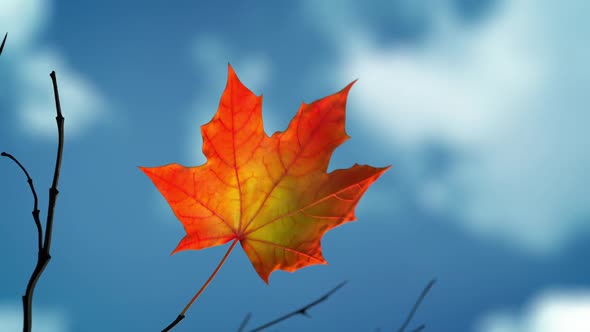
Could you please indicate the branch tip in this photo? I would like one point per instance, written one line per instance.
(3, 42)
(245, 322)
(419, 328)
(301, 311)
(415, 307)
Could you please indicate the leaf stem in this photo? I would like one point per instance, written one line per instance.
(210, 277)
(181, 316)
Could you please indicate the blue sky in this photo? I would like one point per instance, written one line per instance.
(479, 105)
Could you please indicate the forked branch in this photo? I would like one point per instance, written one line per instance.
(35, 200)
(301, 311)
(44, 246)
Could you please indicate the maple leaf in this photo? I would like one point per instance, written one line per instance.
(272, 194)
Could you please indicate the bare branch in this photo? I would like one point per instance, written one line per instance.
(35, 204)
(415, 307)
(301, 311)
(245, 322)
(419, 328)
(53, 192)
(3, 42)
(44, 256)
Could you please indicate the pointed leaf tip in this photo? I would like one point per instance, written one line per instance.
(347, 88)
(231, 73)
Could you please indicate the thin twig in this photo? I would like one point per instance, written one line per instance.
(419, 328)
(301, 311)
(53, 192)
(44, 256)
(35, 204)
(416, 305)
(3, 42)
(245, 322)
(173, 324)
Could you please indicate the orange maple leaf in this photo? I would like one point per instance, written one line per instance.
(272, 194)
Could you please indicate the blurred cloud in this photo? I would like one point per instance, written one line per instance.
(504, 96)
(552, 311)
(31, 65)
(11, 319)
(23, 19)
(211, 55)
(36, 103)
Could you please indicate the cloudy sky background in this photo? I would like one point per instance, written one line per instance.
(479, 105)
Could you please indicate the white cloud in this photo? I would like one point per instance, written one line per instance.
(22, 19)
(552, 311)
(30, 66)
(81, 103)
(505, 96)
(11, 319)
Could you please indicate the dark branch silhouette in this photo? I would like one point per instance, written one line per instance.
(301, 311)
(419, 328)
(53, 192)
(43, 256)
(415, 308)
(173, 324)
(3, 42)
(245, 322)
(36, 201)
